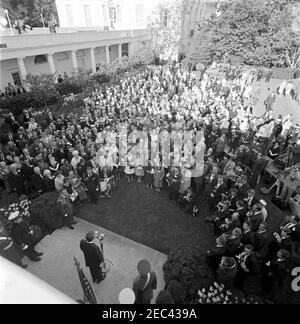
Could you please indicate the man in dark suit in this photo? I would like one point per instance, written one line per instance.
(93, 256)
(93, 185)
(16, 180)
(144, 283)
(256, 217)
(38, 181)
(10, 137)
(214, 256)
(261, 240)
(248, 237)
(250, 200)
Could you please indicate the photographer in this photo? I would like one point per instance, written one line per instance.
(93, 256)
(291, 182)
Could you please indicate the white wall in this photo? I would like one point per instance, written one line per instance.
(62, 61)
(131, 14)
(6, 69)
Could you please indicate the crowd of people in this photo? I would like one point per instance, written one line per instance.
(79, 157)
(11, 91)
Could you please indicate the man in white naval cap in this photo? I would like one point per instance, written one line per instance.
(22, 235)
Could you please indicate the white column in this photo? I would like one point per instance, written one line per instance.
(130, 49)
(93, 60)
(107, 54)
(74, 61)
(51, 64)
(120, 50)
(22, 68)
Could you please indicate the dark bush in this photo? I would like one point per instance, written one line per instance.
(164, 298)
(17, 104)
(188, 266)
(65, 88)
(177, 291)
(98, 79)
(46, 212)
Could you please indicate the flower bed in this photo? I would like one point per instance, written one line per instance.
(22, 206)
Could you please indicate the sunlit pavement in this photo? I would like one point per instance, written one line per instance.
(57, 266)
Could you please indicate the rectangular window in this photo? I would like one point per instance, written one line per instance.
(16, 78)
(112, 16)
(69, 15)
(87, 14)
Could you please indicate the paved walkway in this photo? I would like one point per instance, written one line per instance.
(283, 104)
(57, 265)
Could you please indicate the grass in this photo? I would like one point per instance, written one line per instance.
(149, 218)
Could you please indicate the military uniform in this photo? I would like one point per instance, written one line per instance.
(22, 235)
(9, 250)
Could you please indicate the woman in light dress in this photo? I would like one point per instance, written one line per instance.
(159, 174)
(130, 168)
(186, 178)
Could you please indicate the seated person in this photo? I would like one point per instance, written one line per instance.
(187, 200)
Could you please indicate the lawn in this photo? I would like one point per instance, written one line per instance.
(149, 218)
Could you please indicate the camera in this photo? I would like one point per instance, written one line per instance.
(99, 236)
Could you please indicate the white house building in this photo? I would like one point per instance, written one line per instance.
(108, 14)
(91, 32)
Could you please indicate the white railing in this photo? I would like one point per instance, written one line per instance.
(66, 36)
(41, 30)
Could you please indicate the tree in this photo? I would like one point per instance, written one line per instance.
(29, 10)
(250, 32)
(45, 7)
(165, 28)
(42, 87)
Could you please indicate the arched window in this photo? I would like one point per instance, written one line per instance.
(40, 59)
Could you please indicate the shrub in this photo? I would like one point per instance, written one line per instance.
(17, 104)
(164, 297)
(65, 88)
(188, 266)
(177, 291)
(45, 212)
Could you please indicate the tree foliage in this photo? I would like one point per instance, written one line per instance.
(42, 87)
(165, 28)
(29, 10)
(250, 32)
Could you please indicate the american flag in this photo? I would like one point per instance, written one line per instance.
(89, 296)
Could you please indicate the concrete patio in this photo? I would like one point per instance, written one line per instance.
(57, 266)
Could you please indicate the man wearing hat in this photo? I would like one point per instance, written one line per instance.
(22, 235)
(8, 248)
(145, 283)
(93, 257)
